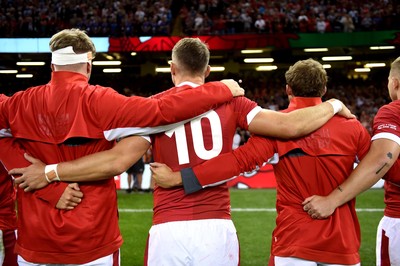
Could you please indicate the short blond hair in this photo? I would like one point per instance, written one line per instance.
(76, 38)
(395, 67)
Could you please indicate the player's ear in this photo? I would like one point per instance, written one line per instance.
(89, 68)
(324, 91)
(173, 69)
(289, 91)
(208, 70)
(396, 83)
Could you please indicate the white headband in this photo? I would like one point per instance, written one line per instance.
(67, 56)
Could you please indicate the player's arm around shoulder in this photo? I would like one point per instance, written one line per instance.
(299, 122)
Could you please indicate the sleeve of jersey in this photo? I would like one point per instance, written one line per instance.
(387, 123)
(247, 111)
(140, 115)
(12, 156)
(4, 130)
(224, 167)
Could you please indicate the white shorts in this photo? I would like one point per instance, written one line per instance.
(290, 261)
(2, 251)
(109, 260)
(197, 242)
(388, 242)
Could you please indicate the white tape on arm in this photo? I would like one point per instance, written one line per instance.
(337, 105)
(51, 173)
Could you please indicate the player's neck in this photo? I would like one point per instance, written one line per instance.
(195, 80)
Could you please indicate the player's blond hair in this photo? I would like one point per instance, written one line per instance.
(395, 67)
(192, 55)
(76, 38)
(307, 78)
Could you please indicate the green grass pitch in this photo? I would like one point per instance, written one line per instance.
(254, 226)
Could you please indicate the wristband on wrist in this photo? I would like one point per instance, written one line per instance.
(337, 105)
(51, 174)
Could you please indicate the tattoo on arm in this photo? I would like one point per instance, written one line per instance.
(390, 156)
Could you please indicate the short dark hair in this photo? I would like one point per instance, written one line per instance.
(192, 55)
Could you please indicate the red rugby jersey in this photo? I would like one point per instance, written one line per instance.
(387, 126)
(188, 145)
(67, 119)
(312, 165)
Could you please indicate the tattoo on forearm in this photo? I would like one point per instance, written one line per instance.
(380, 169)
(390, 156)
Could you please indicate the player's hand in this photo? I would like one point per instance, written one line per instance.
(32, 177)
(234, 87)
(318, 207)
(164, 177)
(71, 197)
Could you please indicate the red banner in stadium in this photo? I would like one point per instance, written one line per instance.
(261, 178)
(224, 42)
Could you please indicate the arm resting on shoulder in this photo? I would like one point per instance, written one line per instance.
(297, 123)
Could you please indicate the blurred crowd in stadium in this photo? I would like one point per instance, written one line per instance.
(21, 18)
(137, 18)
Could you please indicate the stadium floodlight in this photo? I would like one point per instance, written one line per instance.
(315, 50)
(112, 70)
(362, 69)
(387, 47)
(337, 58)
(8, 71)
(252, 51)
(217, 68)
(266, 68)
(163, 69)
(369, 65)
(168, 69)
(258, 60)
(32, 63)
(106, 63)
(24, 76)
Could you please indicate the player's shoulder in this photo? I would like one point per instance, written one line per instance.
(389, 110)
(394, 105)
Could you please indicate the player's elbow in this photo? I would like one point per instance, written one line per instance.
(117, 167)
(291, 131)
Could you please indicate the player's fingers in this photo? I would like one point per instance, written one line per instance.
(19, 180)
(77, 194)
(30, 158)
(74, 186)
(156, 164)
(16, 171)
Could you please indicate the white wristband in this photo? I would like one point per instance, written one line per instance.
(50, 171)
(337, 105)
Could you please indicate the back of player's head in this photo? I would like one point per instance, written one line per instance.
(395, 68)
(191, 55)
(307, 78)
(78, 39)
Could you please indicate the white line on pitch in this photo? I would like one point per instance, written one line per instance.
(249, 210)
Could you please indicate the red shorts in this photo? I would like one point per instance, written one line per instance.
(8, 240)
